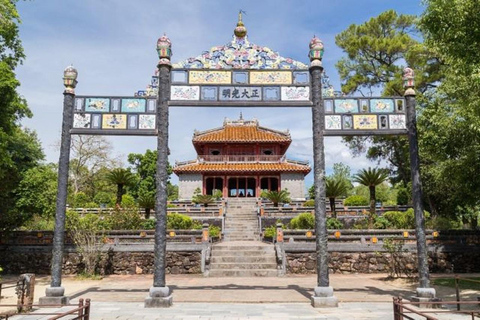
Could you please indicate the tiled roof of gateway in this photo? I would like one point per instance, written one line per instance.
(241, 131)
(241, 167)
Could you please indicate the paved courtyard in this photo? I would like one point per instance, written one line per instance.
(196, 297)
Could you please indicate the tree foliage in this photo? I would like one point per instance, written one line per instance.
(19, 148)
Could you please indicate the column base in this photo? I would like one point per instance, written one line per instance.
(159, 297)
(324, 298)
(54, 295)
(424, 296)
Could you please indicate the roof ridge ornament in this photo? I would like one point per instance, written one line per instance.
(240, 31)
(316, 52)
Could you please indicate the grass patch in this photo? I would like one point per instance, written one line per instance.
(463, 283)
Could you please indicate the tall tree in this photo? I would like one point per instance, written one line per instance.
(377, 51)
(20, 149)
(450, 126)
(371, 178)
(121, 177)
(334, 188)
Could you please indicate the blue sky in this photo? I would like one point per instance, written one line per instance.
(112, 45)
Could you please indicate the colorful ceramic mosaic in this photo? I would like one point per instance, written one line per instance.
(397, 121)
(295, 93)
(97, 104)
(146, 121)
(270, 77)
(240, 54)
(133, 105)
(346, 106)
(185, 93)
(362, 122)
(381, 105)
(209, 77)
(81, 120)
(114, 121)
(333, 122)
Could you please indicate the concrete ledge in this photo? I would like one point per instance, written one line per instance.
(158, 302)
(323, 298)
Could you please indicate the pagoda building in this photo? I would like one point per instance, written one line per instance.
(241, 159)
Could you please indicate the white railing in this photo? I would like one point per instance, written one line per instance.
(241, 158)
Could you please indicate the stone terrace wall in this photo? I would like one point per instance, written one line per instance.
(379, 262)
(37, 260)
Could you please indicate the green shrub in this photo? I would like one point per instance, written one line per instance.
(217, 194)
(303, 221)
(333, 223)
(204, 199)
(91, 204)
(382, 223)
(445, 223)
(403, 196)
(214, 231)
(39, 223)
(309, 203)
(355, 200)
(103, 198)
(125, 219)
(403, 220)
(80, 200)
(270, 232)
(148, 224)
(197, 225)
(128, 201)
(179, 221)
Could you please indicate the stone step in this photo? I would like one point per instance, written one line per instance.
(243, 273)
(242, 266)
(246, 259)
(243, 247)
(252, 253)
(242, 250)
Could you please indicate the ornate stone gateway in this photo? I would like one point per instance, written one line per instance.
(237, 74)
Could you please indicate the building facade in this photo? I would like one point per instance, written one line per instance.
(241, 159)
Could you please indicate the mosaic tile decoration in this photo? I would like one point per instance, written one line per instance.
(346, 106)
(114, 121)
(365, 122)
(240, 54)
(397, 121)
(210, 77)
(185, 93)
(133, 105)
(295, 93)
(97, 104)
(381, 105)
(146, 121)
(333, 122)
(81, 120)
(270, 77)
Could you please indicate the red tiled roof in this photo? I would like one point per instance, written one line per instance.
(242, 133)
(241, 167)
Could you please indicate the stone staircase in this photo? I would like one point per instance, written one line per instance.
(243, 259)
(241, 222)
(241, 254)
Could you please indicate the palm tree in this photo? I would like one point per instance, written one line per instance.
(334, 188)
(121, 177)
(276, 197)
(204, 199)
(371, 178)
(147, 201)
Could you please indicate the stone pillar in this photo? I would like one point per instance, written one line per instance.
(323, 293)
(159, 294)
(424, 292)
(55, 294)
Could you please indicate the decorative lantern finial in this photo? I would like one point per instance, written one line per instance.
(409, 81)
(70, 79)
(316, 52)
(164, 49)
(240, 31)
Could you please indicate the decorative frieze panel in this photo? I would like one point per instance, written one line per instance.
(114, 116)
(364, 116)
